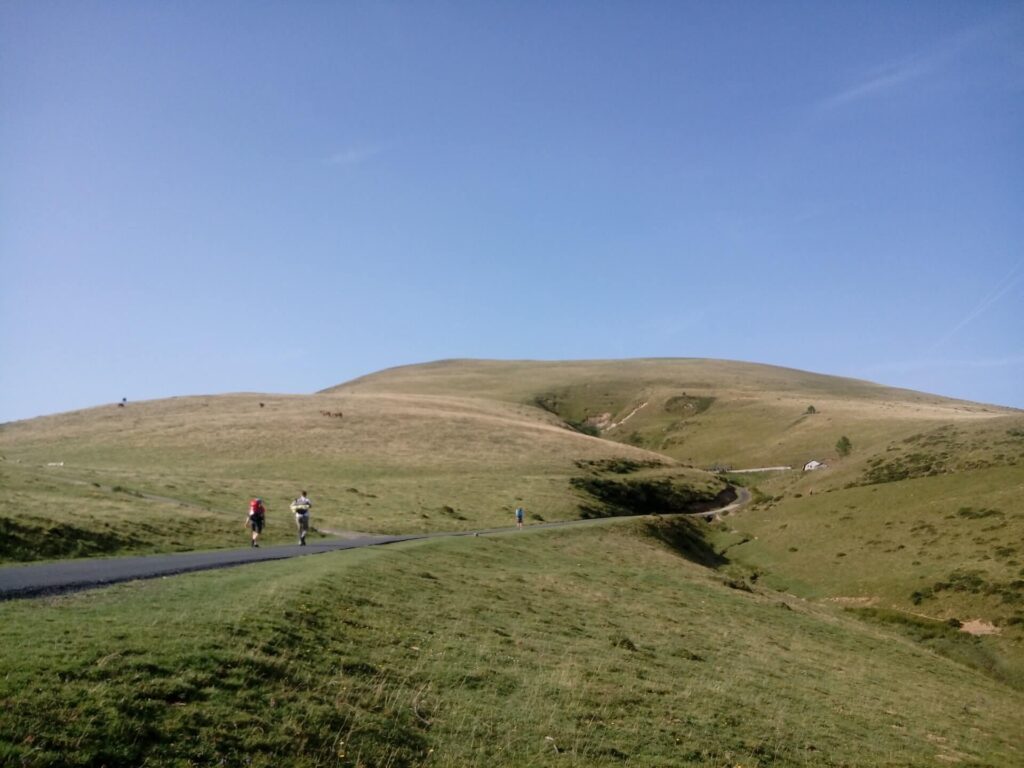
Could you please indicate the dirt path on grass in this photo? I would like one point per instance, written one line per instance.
(629, 416)
(54, 578)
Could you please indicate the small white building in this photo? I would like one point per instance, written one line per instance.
(814, 464)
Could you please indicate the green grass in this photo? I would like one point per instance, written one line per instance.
(178, 474)
(944, 547)
(885, 540)
(457, 444)
(947, 639)
(586, 647)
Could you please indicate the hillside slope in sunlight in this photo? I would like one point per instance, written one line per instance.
(702, 412)
(822, 624)
(178, 473)
(920, 511)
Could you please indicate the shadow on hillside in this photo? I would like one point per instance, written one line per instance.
(685, 537)
(618, 497)
(22, 541)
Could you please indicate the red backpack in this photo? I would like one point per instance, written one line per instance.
(256, 508)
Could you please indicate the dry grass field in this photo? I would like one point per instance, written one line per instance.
(178, 473)
(702, 412)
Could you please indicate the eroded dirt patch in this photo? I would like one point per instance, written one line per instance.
(979, 627)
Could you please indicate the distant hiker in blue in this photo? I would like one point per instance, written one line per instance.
(519, 517)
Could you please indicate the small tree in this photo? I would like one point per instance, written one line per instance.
(811, 409)
(844, 446)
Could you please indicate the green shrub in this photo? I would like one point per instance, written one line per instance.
(688, 405)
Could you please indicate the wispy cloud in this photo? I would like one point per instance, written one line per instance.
(922, 64)
(1003, 287)
(353, 156)
(882, 80)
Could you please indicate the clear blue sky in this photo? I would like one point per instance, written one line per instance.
(203, 197)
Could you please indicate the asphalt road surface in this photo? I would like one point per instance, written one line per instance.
(71, 575)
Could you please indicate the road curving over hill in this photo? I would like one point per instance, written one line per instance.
(45, 579)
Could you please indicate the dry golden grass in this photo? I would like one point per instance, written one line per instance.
(450, 445)
(758, 416)
(391, 463)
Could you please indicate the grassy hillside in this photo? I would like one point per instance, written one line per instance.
(702, 412)
(923, 515)
(821, 625)
(931, 525)
(584, 647)
(177, 474)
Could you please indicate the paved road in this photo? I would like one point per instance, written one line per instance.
(72, 575)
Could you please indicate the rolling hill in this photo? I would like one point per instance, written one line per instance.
(705, 412)
(924, 515)
(823, 624)
(177, 474)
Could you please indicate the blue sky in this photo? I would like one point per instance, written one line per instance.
(203, 197)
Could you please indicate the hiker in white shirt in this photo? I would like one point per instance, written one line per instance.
(301, 508)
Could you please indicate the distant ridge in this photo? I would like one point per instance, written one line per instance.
(699, 411)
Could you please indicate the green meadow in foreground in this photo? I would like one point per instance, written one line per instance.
(589, 646)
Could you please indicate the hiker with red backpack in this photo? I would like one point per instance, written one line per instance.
(256, 519)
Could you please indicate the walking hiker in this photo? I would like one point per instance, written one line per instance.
(519, 517)
(256, 519)
(301, 509)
